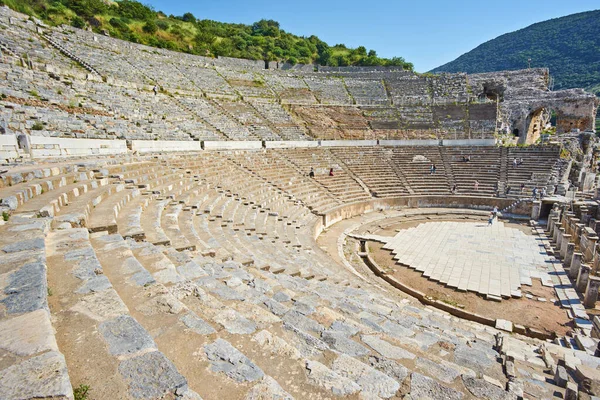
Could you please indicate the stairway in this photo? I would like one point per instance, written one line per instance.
(72, 56)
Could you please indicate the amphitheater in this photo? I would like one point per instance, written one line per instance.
(162, 237)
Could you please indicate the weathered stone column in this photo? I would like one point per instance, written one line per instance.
(559, 238)
(563, 245)
(555, 222)
(555, 231)
(592, 240)
(591, 292)
(569, 255)
(575, 266)
(584, 274)
(536, 209)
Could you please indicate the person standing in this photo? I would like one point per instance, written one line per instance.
(311, 174)
(476, 186)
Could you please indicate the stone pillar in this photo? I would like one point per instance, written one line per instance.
(555, 231)
(592, 245)
(591, 292)
(555, 223)
(549, 224)
(575, 266)
(559, 238)
(595, 225)
(569, 255)
(563, 245)
(582, 278)
(536, 209)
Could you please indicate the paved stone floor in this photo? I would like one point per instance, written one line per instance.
(491, 260)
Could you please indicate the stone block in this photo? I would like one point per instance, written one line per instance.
(561, 377)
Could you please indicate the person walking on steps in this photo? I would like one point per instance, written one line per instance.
(476, 186)
(491, 219)
(535, 191)
(155, 90)
(330, 171)
(432, 169)
(311, 174)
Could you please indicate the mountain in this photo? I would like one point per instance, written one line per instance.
(133, 21)
(569, 46)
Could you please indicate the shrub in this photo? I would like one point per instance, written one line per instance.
(77, 22)
(38, 126)
(150, 27)
(164, 25)
(5, 216)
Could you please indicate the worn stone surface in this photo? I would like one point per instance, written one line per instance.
(473, 358)
(267, 388)
(482, 389)
(95, 284)
(27, 334)
(277, 345)
(340, 342)
(302, 322)
(235, 322)
(422, 387)
(389, 367)
(386, 349)
(227, 359)
(348, 329)
(275, 307)
(101, 306)
(30, 244)
(197, 324)
(319, 375)
(40, 377)
(26, 290)
(442, 372)
(143, 278)
(307, 344)
(125, 335)
(151, 375)
(370, 380)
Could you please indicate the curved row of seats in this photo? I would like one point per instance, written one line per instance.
(201, 267)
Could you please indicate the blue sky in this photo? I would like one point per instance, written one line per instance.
(426, 33)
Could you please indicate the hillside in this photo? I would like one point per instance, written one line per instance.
(569, 46)
(133, 21)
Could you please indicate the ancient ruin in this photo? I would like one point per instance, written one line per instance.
(180, 227)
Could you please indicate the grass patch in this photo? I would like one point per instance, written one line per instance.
(81, 392)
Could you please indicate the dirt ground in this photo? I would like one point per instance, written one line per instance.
(546, 316)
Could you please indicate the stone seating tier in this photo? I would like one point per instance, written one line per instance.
(262, 293)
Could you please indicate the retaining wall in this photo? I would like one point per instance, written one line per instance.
(8, 147)
(353, 209)
(41, 146)
(150, 146)
(232, 145)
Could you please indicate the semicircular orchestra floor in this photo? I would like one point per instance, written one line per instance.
(492, 260)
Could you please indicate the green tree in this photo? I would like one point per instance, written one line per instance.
(188, 17)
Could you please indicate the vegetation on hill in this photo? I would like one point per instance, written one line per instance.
(569, 46)
(133, 21)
